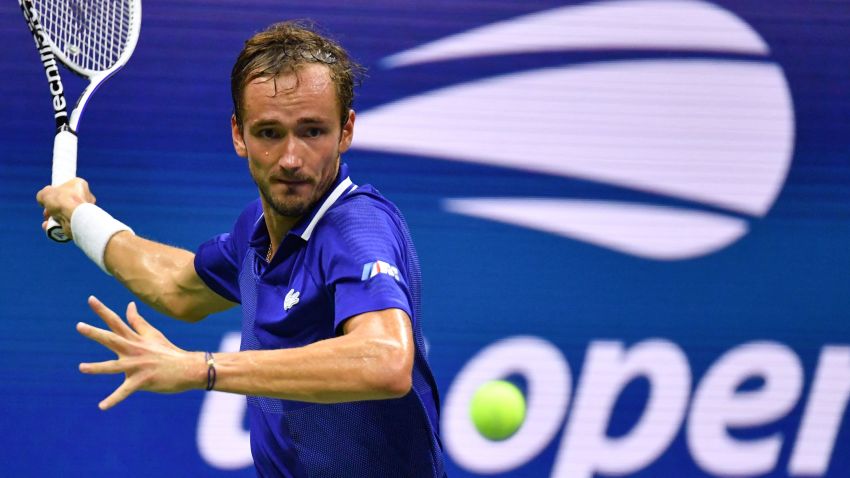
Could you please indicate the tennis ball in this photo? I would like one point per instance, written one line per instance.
(497, 409)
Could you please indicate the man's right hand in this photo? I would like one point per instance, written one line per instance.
(60, 201)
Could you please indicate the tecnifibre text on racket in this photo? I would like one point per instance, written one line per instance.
(92, 38)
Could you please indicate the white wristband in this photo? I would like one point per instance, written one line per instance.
(92, 228)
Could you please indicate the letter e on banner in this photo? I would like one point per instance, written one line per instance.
(718, 405)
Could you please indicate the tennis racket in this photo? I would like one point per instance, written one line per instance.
(92, 38)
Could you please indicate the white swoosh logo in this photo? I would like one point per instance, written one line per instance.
(640, 24)
(714, 131)
(709, 131)
(657, 232)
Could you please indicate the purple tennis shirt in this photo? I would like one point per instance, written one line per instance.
(351, 254)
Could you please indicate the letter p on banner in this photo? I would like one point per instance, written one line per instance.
(609, 368)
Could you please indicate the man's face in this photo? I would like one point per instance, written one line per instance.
(292, 137)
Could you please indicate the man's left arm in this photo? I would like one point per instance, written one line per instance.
(372, 359)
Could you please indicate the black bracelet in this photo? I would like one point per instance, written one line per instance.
(208, 357)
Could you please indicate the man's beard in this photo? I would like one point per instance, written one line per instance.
(295, 208)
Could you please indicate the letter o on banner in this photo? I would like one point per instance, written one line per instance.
(547, 375)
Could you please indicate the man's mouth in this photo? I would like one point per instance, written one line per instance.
(291, 181)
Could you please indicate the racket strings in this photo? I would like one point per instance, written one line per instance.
(91, 34)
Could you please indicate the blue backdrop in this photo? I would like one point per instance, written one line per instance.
(637, 210)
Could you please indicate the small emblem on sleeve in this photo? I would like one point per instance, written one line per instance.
(379, 267)
(291, 299)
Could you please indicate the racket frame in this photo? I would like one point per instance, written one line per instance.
(65, 141)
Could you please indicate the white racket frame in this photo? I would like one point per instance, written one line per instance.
(65, 142)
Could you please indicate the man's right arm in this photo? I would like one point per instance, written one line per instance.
(162, 276)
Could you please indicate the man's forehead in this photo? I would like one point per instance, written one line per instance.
(308, 92)
(307, 78)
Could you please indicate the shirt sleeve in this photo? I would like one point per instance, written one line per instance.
(365, 261)
(218, 261)
(217, 264)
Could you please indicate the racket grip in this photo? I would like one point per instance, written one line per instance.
(64, 157)
(64, 169)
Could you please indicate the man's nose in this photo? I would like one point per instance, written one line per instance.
(290, 157)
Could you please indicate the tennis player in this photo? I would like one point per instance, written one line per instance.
(332, 359)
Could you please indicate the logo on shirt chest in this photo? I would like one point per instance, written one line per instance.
(292, 298)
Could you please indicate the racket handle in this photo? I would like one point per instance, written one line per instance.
(64, 170)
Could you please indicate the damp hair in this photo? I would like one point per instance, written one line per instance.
(285, 47)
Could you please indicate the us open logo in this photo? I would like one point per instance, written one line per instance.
(710, 134)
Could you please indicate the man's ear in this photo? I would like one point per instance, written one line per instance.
(238, 140)
(347, 133)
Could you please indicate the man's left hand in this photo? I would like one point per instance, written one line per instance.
(148, 360)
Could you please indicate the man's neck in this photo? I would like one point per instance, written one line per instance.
(277, 226)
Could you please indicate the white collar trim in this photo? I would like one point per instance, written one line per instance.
(338, 191)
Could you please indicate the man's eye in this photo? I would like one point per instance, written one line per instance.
(313, 132)
(267, 133)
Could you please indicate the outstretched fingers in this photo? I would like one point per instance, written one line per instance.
(112, 319)
(104, 337)
(139, 324)
(140, 348)
(97, 368)
(123, 391)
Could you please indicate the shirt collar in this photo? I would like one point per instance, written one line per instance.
(306, 225)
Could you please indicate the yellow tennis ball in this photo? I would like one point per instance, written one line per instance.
(497, 409)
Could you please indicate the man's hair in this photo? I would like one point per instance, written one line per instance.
(283, 48)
